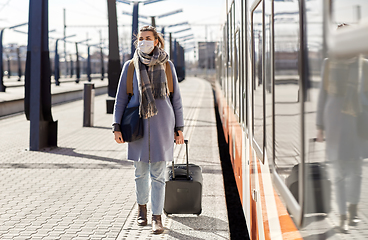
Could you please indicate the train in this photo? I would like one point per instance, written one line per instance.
(291, 91)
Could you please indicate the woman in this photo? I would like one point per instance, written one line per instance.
(339, 104)
(162, 119)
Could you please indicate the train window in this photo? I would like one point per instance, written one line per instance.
(230, 64)
(233, 59)
(236, 75)
(226, 39)
(258, 79)
(244, 72)
(239, 70)
(287, 106)
(224, 60)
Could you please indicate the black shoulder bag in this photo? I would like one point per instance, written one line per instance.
(131, 125)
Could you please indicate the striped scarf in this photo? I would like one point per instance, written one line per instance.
(151, 81)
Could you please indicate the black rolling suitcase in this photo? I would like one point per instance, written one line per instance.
(183, 189)
(318, 185)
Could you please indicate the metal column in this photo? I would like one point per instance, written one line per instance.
(77, 64)
(2, 87)
(43, 130)
(114, 67)
(153, 22)
(19, 65)
(170, 46)
(175, 53)
(88, 103)
(102, 65)
(57, 64)
(71, 66)
(89, 64)
(134, 26)
(8, 61)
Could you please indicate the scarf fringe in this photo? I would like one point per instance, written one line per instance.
(151, 111)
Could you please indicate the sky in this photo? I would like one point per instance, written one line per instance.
(87, 18)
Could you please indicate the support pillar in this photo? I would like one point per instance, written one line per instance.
(170, 46)
(175, 53)
(163, 32)
(57, 64)
(43, 129)
(134, 26)
(2, 86)
(102, 65)
(71, 66)
(77, 64)
(114, 66)
(19, 65)
(8, 61)
(89, 64)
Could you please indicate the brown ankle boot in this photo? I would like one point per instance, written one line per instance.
(344, 228)
(353, 215)
(142, 215)
(157, 227)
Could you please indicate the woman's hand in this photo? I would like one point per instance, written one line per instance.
(320, 137)
(118, 137)
(179, 139)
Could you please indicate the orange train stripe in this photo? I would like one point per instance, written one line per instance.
(266, 225)
(253, 231)
(238, 154)
(235, 133)
(288, 229)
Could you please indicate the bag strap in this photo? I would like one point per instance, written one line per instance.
(169, 77)
(130, 78)
(131, 70)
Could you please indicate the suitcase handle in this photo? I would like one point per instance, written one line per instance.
(186, 148)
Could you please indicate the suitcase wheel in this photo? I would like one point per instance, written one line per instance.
(200, 211)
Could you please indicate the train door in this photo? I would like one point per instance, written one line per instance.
(257, 127)
(285, 148)
(243, 108)
(276, 113)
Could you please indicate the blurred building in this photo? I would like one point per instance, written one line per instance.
(206, 54)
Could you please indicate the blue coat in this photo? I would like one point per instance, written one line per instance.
(157, 143)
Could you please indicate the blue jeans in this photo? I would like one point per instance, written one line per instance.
(348, 181)
(157, 172)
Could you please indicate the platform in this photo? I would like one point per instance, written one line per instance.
(84, 188)
(12, 100)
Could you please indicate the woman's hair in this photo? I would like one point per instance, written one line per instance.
(157, 35)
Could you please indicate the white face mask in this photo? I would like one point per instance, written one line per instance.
(146, 46)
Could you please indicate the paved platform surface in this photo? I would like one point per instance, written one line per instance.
(84, 188)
